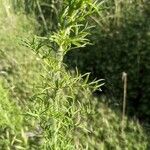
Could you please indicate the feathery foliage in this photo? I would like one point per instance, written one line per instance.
(62, 112)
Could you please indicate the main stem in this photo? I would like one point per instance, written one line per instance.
(58, 94)
(60, 60)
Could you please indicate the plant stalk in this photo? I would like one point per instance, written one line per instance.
(124, 78)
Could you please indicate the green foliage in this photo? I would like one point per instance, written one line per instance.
(62, 112)
(8, 111)
(123, 32)
(121, 43)
(61, 108)
(58, 106)
(11, 122)
(45, 11)
(16, 61)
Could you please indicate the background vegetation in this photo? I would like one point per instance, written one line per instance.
(121, 43)
(46, 105)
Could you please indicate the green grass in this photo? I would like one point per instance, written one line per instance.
(38, 111)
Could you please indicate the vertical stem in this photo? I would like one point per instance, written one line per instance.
(124, 78)
(118, 11)
(42, 16)
(57, 104)
(60, 60)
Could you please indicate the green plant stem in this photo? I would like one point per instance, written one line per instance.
(58, 95)
(42, 16)
(60, 61)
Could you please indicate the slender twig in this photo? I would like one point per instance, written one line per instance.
(124, 78)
